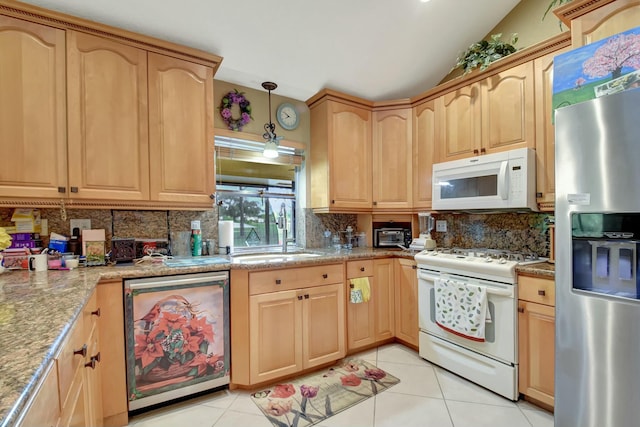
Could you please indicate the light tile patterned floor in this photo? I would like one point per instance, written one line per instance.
(427, 396)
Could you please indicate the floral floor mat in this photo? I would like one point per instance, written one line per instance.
(315, 397)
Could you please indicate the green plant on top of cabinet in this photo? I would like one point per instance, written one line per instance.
(340, 153)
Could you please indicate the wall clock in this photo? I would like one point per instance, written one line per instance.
(287, 116)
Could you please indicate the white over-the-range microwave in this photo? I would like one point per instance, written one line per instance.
(505, 180)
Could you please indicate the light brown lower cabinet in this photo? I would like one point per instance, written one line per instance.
(69, 394)
(406, 301)
(536, 338)
(296, 320)
(371, 322)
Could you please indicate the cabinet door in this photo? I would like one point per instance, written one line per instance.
(361, 320)
(323, 324)
(92, 378)
(392, 159)
(459, 123)
(32, 110)
(608, 20)
(349, 157)
(44, 408)
(383, 298)
(406, 301)
(113, 371)
(276, 334)
(508, 110)
(424, 142)
(74, 410)
(108, 124)
(536, 349)
(181, 131)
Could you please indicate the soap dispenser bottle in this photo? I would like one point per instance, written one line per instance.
(196, 239)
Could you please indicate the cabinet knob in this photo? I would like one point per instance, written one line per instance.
(82, 352)
(351, 285)
(483, 150)
(538, 195)
(62, 190)
(325, 275)
(333, 202)
(93, 361)
(278, 281)
(299, 297)
(475, 151)
(96, 312)
(520, 309)
(541, 292)
(306, 296)
(375, 203)
(361, 268)
(74, 189)
(212, 196)
(415, 267)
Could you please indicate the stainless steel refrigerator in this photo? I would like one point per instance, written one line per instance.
(597, 377)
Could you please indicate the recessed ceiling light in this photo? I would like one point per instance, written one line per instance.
(424, 1)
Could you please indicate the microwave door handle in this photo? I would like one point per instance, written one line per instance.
(502, 180)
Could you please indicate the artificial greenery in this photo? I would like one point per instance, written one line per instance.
(484, 52)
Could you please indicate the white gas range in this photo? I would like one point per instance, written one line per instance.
(492, 361)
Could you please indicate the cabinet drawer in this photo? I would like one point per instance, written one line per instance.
(67, 361)
(536, 289)
(261, 282)
(359, 268)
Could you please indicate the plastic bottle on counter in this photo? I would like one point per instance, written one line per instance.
(196, 239)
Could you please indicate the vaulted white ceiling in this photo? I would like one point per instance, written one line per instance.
(375, 49)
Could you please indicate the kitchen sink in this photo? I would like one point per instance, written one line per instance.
(263, 258)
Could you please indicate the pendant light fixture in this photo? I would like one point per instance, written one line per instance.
(272, 141)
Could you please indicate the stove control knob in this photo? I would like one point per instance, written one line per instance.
(502, 261)
(488, 259)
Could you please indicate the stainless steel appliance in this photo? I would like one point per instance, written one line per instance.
(492, 363)
(177, 336)
(505, 180)
(597, 213)
(386, 237)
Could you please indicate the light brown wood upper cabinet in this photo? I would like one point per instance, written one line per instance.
(32, 110)
(492, 115)
(108, 121)
(545, 131)
(593, 20)
(340, 154)
(392, 160)
(180, 130)
(424, 143)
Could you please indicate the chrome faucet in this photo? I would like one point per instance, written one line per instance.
(282, 225)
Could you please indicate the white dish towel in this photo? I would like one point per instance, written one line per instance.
(461, 308)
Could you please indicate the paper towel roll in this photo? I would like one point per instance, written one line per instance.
(225, 236)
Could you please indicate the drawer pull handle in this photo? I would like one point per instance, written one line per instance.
(82, 352)
(96, 312)
(306, 296)
(92, 363)
(541, 292)
(299, 297)
(325, 275)
(278, 281)
(361, 268)
(520, 309)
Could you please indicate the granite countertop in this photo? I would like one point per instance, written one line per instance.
(542, 269)
(37, 309)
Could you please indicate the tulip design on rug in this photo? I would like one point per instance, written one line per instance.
(313, 398)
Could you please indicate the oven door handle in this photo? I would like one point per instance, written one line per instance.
(426, 276)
